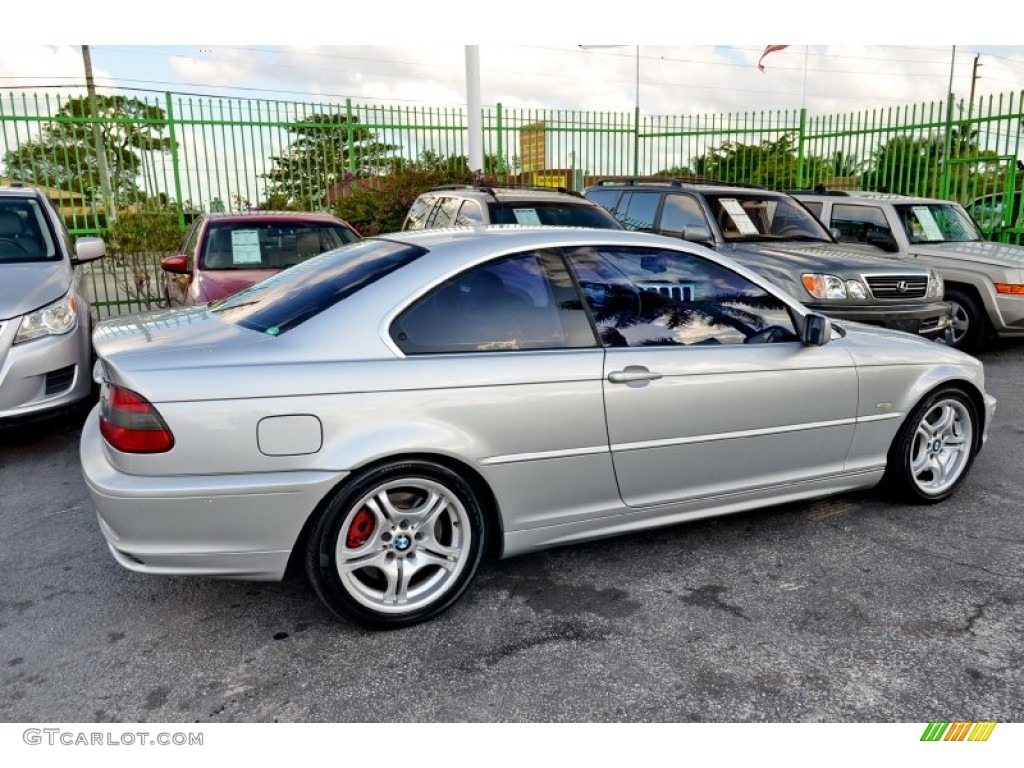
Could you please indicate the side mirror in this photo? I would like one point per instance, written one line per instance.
(882, 240)
(178, 264)
(88, 249)
(817, 330)
(697, 233)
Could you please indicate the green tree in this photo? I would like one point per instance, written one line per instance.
(64, 156)
(770, 163)
(318, 158)
(906, 165)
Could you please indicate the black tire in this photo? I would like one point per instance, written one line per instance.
(968, 327)
(921, 452)
(413, 528)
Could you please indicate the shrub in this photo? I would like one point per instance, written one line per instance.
(154, 231)
(379, 204)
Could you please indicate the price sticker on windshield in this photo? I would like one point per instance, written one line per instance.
(739, 216)
(928, 223)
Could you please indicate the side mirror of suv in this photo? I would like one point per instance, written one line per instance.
(817, 330)
(697, 233)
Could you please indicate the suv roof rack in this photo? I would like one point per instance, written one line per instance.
(493, 190)
(819, 190)
(673, 181)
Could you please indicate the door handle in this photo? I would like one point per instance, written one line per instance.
(632, 373)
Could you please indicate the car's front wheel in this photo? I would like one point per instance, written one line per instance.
(967, 321)
(397, 545)
(935, 446)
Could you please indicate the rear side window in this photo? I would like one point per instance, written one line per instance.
(606, 198)
(637, 210)
(855, 222)
(469, 214)
(527, 301)
(294, 295)
(444, 213)
(419, 213)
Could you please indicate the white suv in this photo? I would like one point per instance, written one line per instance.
(984, 280)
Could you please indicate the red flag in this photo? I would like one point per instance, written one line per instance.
(767, 50)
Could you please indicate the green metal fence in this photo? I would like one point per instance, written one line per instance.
(194, 154)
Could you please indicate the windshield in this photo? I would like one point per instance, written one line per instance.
(756, 216)
(292, 296)
(269, 244)
(24, 234)
(553, 214)
(937, 223)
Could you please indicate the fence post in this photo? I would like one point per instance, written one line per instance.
(946, 169)
(500, 170)
(348, 143)
(800, 149)
(174, 160)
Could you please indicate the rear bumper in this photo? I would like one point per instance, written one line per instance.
(234, 526)
(928, 320)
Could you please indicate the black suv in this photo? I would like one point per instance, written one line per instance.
(774, 235)
(467, 205)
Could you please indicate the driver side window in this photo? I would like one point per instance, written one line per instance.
(653, 297)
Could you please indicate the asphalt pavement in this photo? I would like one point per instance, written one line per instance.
(853, 608)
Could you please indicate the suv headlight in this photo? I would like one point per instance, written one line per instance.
(824, 286)
(52, 320)
(936, 285)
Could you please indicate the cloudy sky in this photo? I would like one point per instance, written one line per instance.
(532, 54)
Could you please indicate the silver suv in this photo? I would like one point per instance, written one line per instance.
(984, 280)
(45, 346)
(467, 205)
(772, 234)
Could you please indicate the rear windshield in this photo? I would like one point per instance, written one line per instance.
(269, 244)
(24, 233)
(553, 214)
(294, 295)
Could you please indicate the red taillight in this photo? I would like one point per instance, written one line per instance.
(131, 424)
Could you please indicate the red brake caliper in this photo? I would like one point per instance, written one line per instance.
(360, 530)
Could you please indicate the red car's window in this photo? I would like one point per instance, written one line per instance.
(269, 245)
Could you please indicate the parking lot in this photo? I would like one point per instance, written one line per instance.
(847, 609)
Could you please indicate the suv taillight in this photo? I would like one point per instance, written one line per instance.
(130, 423)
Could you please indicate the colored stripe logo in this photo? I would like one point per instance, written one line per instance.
(958, 730)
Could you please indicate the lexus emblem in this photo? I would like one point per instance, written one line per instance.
(902, 286)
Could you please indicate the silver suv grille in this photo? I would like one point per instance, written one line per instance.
(898, 286)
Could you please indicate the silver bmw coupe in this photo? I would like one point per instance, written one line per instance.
(392, 412)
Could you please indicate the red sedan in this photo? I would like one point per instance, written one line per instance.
(225, 252)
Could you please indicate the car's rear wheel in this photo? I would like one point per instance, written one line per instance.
(934, 448)
(397, 545)
(967, 322)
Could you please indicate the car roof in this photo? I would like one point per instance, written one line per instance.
(880, 197)
(20, 192)
(529, 235)
(272, 216)
(692, 185)
(507, 194)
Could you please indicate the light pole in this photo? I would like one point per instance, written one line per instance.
(636, 119)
